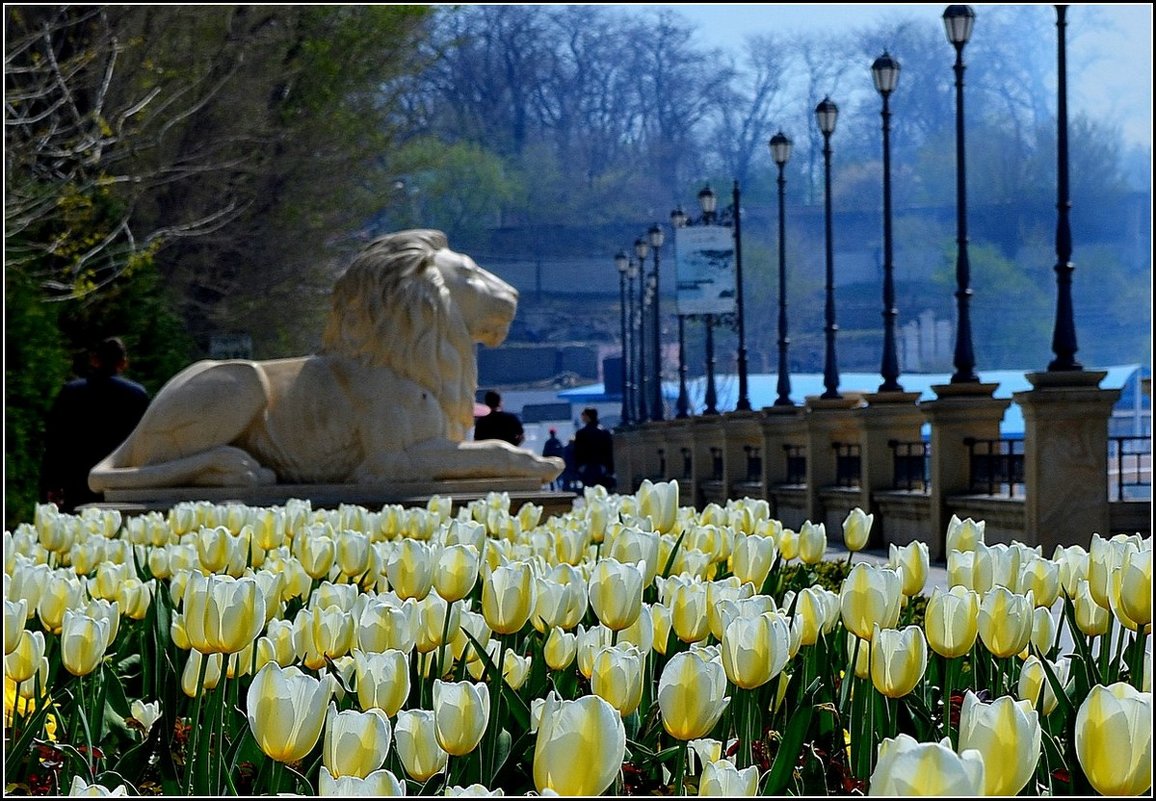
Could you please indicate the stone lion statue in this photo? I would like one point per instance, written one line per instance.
(390, 396)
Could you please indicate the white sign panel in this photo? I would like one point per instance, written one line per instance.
(705, 263)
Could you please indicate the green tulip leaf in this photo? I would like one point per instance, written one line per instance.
(789, 749)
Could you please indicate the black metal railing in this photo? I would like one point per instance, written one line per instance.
(796, 464)
(662, 462)
(848, 464)
(754, 463)
(686, 462)
(716, 464)
(996, 466)
(1130, 468)
(911, 465)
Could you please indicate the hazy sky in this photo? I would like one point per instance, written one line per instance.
(1118, 85)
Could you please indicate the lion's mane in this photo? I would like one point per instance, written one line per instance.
(391, 308)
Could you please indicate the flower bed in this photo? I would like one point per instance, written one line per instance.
(627, 647)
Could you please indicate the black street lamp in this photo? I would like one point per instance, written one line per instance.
(827, 113)
(1064, 334)
(958, 21)
(657, 237)
(641, 248)
(632, 332)
(885, 72)
(744, 401)
(678, 219)
(780, 147)
(708, 202)
(622, 262)
(682, 407)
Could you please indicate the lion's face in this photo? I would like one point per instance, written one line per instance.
(486, 302)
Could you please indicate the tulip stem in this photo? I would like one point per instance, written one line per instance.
(947, 677)
(680, 770)
(1136, 667)
(445, 635)
(275, 778)
(1119, 652)
(191, 754)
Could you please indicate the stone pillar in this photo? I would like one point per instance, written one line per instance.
(625, 460)
(828, 422)
(650, 440)
(708, 437)
(782, 426)
(1065, 457)
(958, 411)
(680, 457)
(887, 416)
(743, 436)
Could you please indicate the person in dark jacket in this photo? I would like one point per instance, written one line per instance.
(594, 452)
(89, 419)
(554, 447)
(498, 424)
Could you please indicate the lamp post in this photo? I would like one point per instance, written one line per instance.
(641, 248)
(780, 147)
(707, 203)
(885, 72)
(622, 262)
(957, 22)
(744, 401)
(1064, 333)
(827, 113)
(678, 220)
(632, 333)
(657, 237)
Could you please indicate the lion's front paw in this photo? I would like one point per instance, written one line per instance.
(552, 467)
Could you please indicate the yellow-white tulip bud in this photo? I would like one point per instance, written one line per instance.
(616, 592)
(617, 676)
(286, 711)
(1114, 739)
(755, 649)
(907, 767)
(722, 778)
(382, 680)
(870, 597)
(963, 535)
(951, 621)
(1007, 733)
(461, 712)
(1005, 621)
(912, 562)
(355, 743)
(812, 542)
(692, 695)
(857, 529)
(580, 746)
(417, 746)
(898, 660)
(380, 783)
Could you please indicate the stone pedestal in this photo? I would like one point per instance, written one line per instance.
(829, 422)
(330, 496)
(959, 411)
(886, 416)
(1065, 457)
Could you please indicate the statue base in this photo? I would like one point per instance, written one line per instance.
(404, 493)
